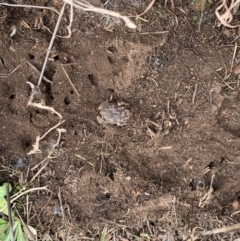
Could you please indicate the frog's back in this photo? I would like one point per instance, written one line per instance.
(114, 114)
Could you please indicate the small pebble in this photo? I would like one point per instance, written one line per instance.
(235, 205)
(236, 69)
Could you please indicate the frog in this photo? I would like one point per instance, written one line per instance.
(113, 113)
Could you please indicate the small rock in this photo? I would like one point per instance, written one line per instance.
(235, 205)
(236, 69)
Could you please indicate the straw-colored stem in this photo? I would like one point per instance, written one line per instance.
(51, 43)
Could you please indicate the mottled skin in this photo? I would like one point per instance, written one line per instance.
(112, 113)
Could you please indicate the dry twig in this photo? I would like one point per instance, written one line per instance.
(71, 83)
(37, 71)
(208, 196)
(7, 75)
(221, 230)
(194, 93)
(40, 170)
(147, 9)
(87, 7)
(51, 43)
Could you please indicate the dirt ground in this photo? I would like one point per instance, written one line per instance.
(172, 171)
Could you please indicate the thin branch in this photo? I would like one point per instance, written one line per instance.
(221, 230)
(7, 75)
(147, 9)
(87, 7)
(21, 193)
(71, 83)
(70, 22)
(37, 71)
(40, 170)
(51, 43)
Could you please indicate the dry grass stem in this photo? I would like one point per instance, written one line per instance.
(28, 208)
(147, 9)
(165, 148)
(40, 163)
(221, 230)
(37, 71)
(70, 22)
(60, 202)
(87, 7)
(201, 16)
(152, 79)
(235, 213)
(160, 32)
(234, 55)
(77, 155)
(71, 83)
(40, 170)
(206, 199)
(54, 127)
(194, 93)
(7, 75)
(227, 16)
(51, 43)
(22, 193)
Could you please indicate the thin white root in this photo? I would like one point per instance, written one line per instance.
(60, 131)
(36, 149)
(39, 105)
(206, 199)
(227, 17)
(7, 75)
(44, 107)
(52, 41)
(221, 230)
(147, 9)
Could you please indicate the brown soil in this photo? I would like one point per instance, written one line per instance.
(150, 176)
